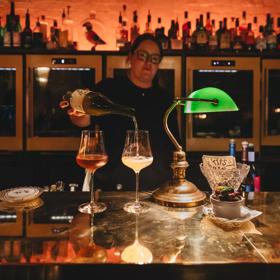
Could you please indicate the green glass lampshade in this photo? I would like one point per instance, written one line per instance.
(202, 101)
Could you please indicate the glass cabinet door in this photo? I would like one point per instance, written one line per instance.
(49, 78)
(271, 104)
(11, 102)
(239, 77)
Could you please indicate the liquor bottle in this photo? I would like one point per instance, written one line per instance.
(201, 35)
(172, 33)
(119, 42)
(2, 31)
(44, 27)
(244, 160)
(175, 41)
(134, 30)
(224, 43)
(237, 42)
(271, 38)
(124, 34)
(278, 33)
(161, 37)
(94, 103)
(37, 36)
(185, 29)
(64, 33)
(232, 30)
(213, 40)
(243, 27)
(260, 40)
(26, 35)
(219, 31)
(148, 28)
(124, 15)
(255, 178)
(69, 23)
(255, 26)
(250, 38)
(187, 43)
(13, 28)
(208, 25)
(54, 36)
(232, 147)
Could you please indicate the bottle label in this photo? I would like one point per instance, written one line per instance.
(225, 41)
(201, 38)
(251, 156)
(77, 98)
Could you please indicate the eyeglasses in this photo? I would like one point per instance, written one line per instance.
(145, 56)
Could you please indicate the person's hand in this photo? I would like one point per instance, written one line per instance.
(73, 113)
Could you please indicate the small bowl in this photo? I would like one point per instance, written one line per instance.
(227, 209)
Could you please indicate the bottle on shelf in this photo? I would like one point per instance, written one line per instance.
(271, 38)
(243, 27)
(13, 28)
(213, 40)
(278, 33)
(2, 32)
(94, 103)
(232, 30)
(161, 37)
(237, 42)
(124, 15)
(244, 160)
(54, 36)
(250, 38)
(201, 35)
(224, 43)
(185, 28)
(260, 40)
(208, 25)
(255, 179)
(135, 29)
(148, 28)
(44, 27)
(255, 26)
(26, 34)
(119, 42)
(69, 25)
(63, 36)
(37, 36)
(187, 42)
(232, 147)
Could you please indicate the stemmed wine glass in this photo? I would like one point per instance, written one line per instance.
(91, 156)
(137, 155)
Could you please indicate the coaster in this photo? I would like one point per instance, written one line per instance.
(20, 194)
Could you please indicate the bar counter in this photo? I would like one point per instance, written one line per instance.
(52, 240)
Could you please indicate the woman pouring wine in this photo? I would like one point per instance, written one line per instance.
(140, 90)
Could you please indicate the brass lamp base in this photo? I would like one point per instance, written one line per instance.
(179, 192)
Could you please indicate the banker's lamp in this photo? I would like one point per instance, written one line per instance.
(179, 192)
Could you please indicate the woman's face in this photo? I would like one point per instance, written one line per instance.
(144, 64)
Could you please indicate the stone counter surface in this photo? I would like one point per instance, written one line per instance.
(55, 241)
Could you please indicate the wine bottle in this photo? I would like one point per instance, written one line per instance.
(244, 160)
(232, 147)
(26, 35)
(213, 40)
(134, 30)
(250, 38)
(224, 42)
(37, 36)
(254, 171)
(1, 34)
(94, 103)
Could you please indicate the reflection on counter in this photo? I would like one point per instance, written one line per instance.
(163, 235)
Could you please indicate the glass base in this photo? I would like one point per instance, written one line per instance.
(136, 207)
(89, 208)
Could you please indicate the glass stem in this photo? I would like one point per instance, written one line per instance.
(137, 186)
(92, 199)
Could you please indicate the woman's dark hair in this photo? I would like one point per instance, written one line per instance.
(145, 37)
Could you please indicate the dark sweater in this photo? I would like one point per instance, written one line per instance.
(150, 106)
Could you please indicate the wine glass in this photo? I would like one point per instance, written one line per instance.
(137, 155)
(91, 156)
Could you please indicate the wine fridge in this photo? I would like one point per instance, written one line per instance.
(240, 78)
(271, 102)
(11, 102)
(49, 77)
